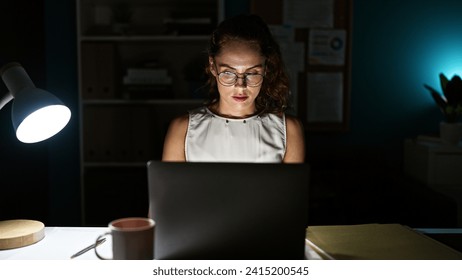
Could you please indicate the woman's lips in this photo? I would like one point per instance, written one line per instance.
(240, 98)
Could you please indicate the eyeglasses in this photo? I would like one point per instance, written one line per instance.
(229, 79)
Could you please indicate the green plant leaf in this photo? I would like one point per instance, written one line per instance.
(439, 99)
(453, 92)
(443, 81)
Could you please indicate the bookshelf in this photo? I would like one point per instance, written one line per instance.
(140, 65)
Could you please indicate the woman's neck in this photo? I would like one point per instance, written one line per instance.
(232, 114)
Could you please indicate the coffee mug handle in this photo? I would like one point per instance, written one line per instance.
(96, 246)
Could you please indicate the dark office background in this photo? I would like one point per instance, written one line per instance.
(397, 46)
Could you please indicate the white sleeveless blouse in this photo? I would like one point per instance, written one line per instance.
(212, 138)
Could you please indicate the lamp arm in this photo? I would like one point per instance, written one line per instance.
(5, 99)
(15, 77)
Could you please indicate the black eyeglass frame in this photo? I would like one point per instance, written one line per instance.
(243, 76)
(240, 76)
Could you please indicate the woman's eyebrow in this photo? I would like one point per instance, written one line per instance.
(229, 66)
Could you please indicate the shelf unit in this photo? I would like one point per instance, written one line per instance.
(140, 65)
(437, 166)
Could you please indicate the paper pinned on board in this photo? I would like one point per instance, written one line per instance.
(325, 97)
(326, 47)
(307, 14)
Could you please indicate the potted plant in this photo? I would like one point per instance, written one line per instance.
(450, 104)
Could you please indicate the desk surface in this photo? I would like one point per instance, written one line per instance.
(370, 241)
(60, 243)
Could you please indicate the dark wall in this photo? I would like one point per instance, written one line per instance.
(41, 181)
(23, 168)
(397, 47)
(61, 79)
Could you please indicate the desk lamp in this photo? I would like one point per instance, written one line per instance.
(37, 115)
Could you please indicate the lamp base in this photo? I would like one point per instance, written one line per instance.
(20, 233)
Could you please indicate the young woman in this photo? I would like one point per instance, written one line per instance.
(244, 120)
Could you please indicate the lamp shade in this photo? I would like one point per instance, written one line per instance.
(36, 114)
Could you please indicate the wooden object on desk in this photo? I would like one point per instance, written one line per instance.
(378, 242)
(20, 233)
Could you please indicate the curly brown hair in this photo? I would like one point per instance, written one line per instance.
(274, 93)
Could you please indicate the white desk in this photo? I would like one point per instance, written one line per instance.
(326, 242)
(60, 243)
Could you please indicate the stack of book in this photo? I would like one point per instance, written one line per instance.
(188, 25)
(376, 242)
(147, 83)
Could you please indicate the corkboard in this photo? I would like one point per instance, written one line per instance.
(272, 12)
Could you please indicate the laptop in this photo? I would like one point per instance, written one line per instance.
(228, 211)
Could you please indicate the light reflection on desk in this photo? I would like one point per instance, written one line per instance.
(60, 243)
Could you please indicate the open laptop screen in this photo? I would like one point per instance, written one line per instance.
(228, 210)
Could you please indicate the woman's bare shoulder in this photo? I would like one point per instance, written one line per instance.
(175, 139)
(180, 121)
(295, 150)
(293, 122)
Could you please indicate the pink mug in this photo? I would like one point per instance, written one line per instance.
(132, 239)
